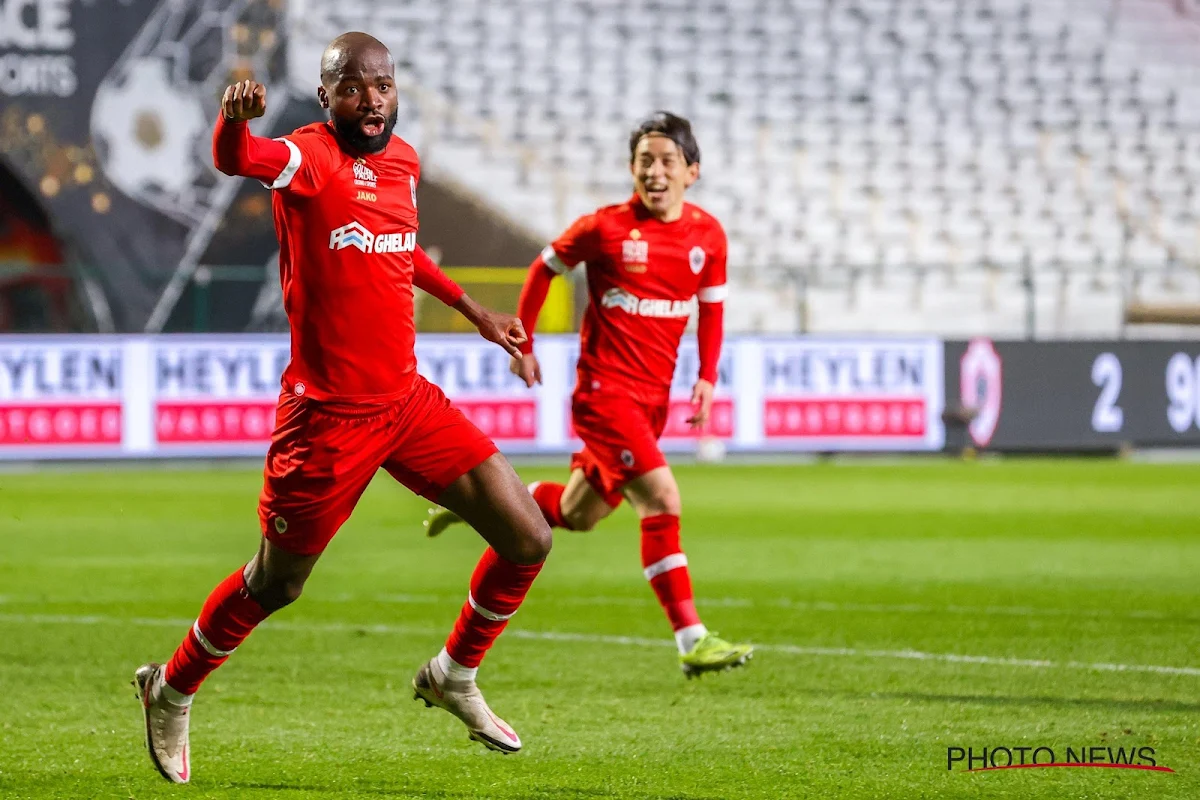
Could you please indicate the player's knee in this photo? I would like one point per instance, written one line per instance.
(273, 592)
(663, 501)
(533, 545)
(580, 519)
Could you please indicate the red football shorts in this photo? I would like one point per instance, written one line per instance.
(620, 440)
(323, 456)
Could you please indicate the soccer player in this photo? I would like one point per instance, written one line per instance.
(650, 261)
(344, 201)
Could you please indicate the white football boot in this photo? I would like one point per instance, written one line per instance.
(464, 700)
(166, 725)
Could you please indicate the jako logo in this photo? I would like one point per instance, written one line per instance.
(355, 235)
(647, 307)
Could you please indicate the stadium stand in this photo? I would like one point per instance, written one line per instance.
(948, 166)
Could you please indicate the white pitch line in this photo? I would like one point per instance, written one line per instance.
(634, 641)
(1134, 615)
(804, 605)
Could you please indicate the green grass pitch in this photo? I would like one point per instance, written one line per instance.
(864, 585)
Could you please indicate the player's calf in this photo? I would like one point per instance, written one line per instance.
(447, 681)
(233, 609)
(576, 506)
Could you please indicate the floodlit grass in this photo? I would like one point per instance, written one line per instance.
(861, 584)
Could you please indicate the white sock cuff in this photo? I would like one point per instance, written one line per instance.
(454, 670)
(483, 612)
(207, 645)
(686, 638)
(673, 561)
(174, 697)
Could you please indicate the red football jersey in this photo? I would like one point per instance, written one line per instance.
(644, 279)
(347, 230)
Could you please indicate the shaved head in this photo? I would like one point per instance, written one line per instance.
(348, 48)
(358, 78)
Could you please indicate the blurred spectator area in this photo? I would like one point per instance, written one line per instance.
(35, 286)
(943, 165)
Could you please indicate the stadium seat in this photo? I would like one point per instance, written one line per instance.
(838, 136)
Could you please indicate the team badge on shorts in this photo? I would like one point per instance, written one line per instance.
(696, 258)
(627, 458)
(280, 525)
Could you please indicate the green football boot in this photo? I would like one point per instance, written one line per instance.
(438, 520)
(713, 654)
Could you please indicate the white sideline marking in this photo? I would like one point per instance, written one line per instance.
(635, 641)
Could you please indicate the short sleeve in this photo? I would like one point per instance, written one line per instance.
(308, 168)
(712, 281)
(579, 243)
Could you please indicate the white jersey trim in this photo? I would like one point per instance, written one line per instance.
(289, 171)
(665, 565)
(552, 260)
(713, 294)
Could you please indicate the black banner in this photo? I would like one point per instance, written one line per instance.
(1093, 395)
(106, 112)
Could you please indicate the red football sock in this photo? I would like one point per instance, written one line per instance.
(228, 616)
(497, 589)
(666, 568)
(548, 496)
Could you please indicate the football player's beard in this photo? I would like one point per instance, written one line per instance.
(352, 133)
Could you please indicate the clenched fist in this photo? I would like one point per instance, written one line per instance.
(244, 100)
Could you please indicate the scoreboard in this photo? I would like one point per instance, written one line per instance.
(1077, 395)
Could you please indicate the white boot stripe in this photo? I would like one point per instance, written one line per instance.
(667, 564)
(207, 645)
(483, 612)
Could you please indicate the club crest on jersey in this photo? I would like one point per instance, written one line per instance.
(635, 253)
(364, 175)
(696, 257)
(355, 234)
(647, 306)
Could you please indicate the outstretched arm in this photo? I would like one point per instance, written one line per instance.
(428, 277)
(495, 326)
(710, 329)
(533, 297)
(577, 244)
(235, 150)
(502, 329)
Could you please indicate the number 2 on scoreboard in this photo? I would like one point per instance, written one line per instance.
(1107, 416)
